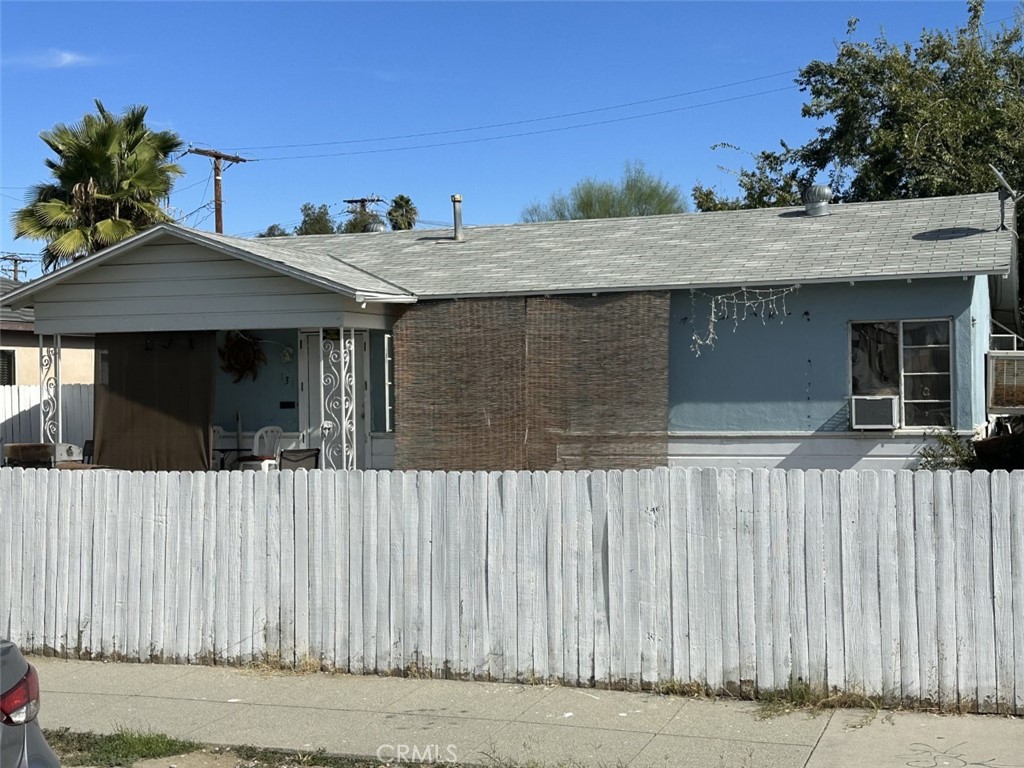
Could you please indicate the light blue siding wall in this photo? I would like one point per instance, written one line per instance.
(793, 374)
(259, 402)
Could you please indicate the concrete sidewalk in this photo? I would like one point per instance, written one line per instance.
(487, 722)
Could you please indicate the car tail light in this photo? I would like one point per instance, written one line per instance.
(21, 704)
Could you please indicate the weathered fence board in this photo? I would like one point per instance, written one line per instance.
(904, 586)
(19, 413)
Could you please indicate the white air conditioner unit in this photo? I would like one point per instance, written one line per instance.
(874, 412)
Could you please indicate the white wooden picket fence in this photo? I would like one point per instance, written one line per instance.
(908, 586)
(19, 413)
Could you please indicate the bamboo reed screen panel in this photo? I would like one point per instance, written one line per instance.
(533, 383)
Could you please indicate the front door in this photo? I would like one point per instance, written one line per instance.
(311, 392)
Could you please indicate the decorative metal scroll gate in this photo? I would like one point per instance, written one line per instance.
(337, 398)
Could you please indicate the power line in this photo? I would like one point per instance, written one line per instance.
(527, 120)
(217, 157)
(523, 133)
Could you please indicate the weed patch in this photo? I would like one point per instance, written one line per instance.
(118, 749)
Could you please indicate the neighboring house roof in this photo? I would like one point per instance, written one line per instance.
(13, 319)
(933, 237)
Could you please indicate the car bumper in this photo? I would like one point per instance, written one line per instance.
(23, 746)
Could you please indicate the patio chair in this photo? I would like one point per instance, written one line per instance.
(300, 458)
(264, 449)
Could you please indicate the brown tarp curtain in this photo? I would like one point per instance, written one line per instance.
(154, 400)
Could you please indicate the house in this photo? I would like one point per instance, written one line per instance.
(741, 338)
(19, 348)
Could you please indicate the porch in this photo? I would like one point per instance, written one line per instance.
(193, 400)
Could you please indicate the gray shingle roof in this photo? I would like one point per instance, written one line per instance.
(329, 267)
(942, 236)
(930, 237)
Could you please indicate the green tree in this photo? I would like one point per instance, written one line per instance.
(361, 220)
(316, 220)
(637, 194)
(110, 176)
(774, 181)
(402, 214)
(274, 230)
(903, 121)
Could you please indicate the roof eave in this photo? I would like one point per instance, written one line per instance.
(1003, 272)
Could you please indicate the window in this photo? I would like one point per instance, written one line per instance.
(909, 359)
(6, 367)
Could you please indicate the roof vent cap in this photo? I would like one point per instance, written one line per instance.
(816, 199)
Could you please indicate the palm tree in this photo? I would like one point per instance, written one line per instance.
(109, 179)
(402, 214)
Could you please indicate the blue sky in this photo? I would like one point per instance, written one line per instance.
(248, 77)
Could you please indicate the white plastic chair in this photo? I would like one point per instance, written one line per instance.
(264, 449)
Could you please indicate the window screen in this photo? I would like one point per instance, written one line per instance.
(6, 367)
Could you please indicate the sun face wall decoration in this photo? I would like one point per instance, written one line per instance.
(241, 355)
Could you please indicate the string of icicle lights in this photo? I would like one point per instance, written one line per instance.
(765, 303)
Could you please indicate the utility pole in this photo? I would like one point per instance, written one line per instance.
(16, 261)
(362, 202)
(217, 157)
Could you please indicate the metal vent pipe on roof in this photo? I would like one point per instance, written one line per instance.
(457, 212)
(816, 199)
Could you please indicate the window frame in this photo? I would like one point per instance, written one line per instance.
(899, 322)
(13, 353)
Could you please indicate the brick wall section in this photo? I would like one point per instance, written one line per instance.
(533, 383)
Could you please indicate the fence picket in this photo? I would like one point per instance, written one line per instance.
(555, 531)
(424, 557)
(526, 576)
(765, 659)
(888, 586)
(371, 592)
(814, 580)
(646, 573)
(663, 576)
(602, 576)
(678, 494)
(745, 601)
(1002, 590)
(616, 576)
(711, 545)
(1017, 584)
(945, 587)
(405, 576)
(835, 645)
(779, 559)
(356, 520)
(850, 544)
(924, 542)
(696, 589)
(870, 607)
(587, 582)
(570, 579)
(797, 557)
(984, 618)
(391, 557)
